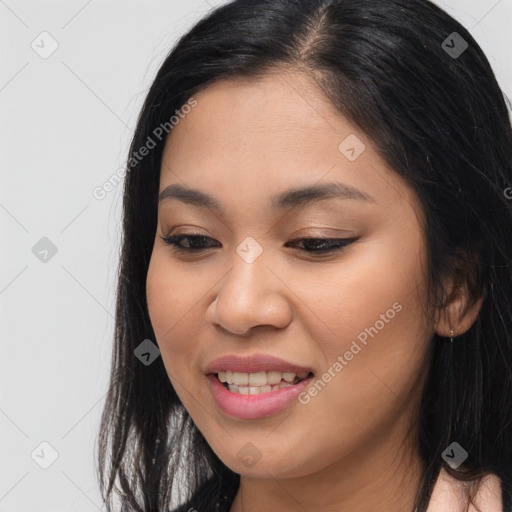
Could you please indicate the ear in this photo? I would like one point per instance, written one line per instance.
(461, 309)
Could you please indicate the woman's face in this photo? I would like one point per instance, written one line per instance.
(355, 318)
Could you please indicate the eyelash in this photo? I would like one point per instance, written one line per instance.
(339, 243)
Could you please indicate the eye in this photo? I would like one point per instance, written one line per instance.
(312, 245)
(324, 245)
(196, 245)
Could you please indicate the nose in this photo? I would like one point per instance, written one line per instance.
(250, 295)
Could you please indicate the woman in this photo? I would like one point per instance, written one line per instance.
(316, 237)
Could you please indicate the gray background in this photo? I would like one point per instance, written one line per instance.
(65, 125)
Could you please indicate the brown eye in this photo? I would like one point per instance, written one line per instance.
(324, 245)
(196, 242)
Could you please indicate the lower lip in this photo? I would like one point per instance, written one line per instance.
(254, 406)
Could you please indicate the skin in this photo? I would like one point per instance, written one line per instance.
(352, 447)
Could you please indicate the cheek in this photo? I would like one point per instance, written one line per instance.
(173, 297)
(173, 308)
(373, 318)
(376, 291)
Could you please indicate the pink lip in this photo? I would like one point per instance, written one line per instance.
(254, 406)
(253, 363)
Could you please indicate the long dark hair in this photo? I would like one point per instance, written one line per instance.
(440, 120)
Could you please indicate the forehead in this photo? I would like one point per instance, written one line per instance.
(249, 139)
(282, 110)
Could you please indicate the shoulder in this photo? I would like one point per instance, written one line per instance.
(450, 494)
(489, 495)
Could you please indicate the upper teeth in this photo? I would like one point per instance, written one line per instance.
(259, 378)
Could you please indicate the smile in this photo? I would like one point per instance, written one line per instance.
(250, 402)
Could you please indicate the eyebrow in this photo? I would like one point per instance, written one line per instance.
(292, 197)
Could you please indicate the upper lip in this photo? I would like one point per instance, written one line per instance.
(253, 363)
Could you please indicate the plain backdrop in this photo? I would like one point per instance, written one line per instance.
(65, 124)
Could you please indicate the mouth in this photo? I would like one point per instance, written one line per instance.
(256, 383)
